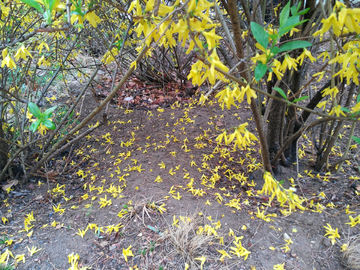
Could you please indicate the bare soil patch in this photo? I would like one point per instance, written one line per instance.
(114, 185)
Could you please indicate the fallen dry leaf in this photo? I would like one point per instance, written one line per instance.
(10, 184)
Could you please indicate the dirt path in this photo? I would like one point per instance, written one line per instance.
(114, 185)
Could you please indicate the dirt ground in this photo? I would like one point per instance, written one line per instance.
(144, 180)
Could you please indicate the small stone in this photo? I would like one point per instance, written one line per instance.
(31, 186)
(104, 243)
(286, 236)
(293, 254)
(326, 242)
(112, 247)
(308, 222)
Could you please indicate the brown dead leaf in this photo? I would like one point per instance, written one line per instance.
(39, 198)
(52, 174)
(104, 243)
(10, 184)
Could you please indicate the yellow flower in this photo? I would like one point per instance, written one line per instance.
(215, 62)
(196, 73)
(202, 259)
(127, 252)
(92, 18)
(322, 104)
(354, 221)
(8, 61)
(330, 91)
(4, 220)
(288, 63)
(332, 234)
(22, 52)
(82, 232)
(337, 110)
(259, 57)
(249, 93)
(211, 38)
(20, 257)
(356, 108)
(327, 23)
(307, 54)
(33, 250)
(344, 247)
(320, 74)
(43, 44)
(104, 202)
(275, 67)
(279, 266)
(223, 254)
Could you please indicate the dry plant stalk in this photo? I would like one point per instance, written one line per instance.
(145, 206)
(186, 242)
(351, 256)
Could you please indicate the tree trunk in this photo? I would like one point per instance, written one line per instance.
(322, 159)
(235, 22)
(3, 149)
(275, 122)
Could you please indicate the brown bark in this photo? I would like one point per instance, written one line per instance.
(235, 21)
(3, 149)
(321, 161)
(276, 117)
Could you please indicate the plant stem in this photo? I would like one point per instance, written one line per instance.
(347, 146)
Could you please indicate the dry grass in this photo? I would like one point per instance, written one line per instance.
(351, 256)
(184, 241)
(142, 209)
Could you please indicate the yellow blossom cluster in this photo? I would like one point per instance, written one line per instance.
(283, 196)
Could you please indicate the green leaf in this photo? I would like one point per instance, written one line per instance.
(49, 111)
(303, 12)
(274, 36)
(47, 16)
(284, 15)
(356, 139)
(34, 126)
(260, 34)
(294, 9)
(299, 99)
(281, 92)
(49, 124)
(345, 109)
(275, 50)
(292, 45)
(33, 4)
(288, 27)
(52, 4)
(358, 98)
(153, 229)
(34, 109)
(260, 71)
